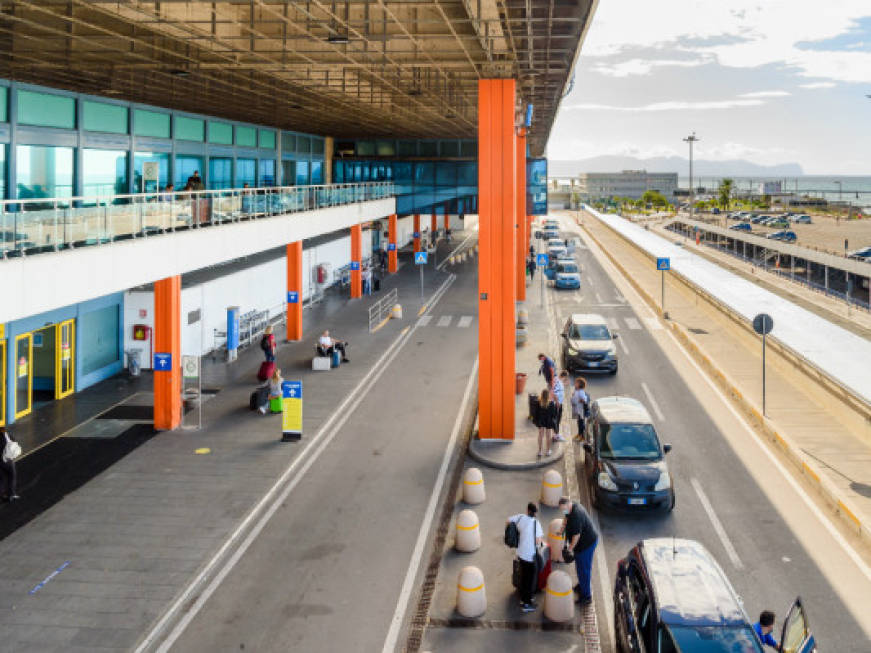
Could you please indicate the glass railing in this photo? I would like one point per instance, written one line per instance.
(34, 226)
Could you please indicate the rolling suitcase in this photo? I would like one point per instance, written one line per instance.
(543, 565)
(266, 370)
(336, 358)
(258, 398)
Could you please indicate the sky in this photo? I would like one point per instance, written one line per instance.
(769, 81)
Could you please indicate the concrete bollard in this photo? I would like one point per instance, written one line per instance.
(471, 596)
(551, 488)
(559, 600)
(521, 334)
(468, 537)
(396, 312)
(522, 316)
(473, 486)
(556, 539)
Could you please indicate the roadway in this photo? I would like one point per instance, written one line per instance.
(732, 496)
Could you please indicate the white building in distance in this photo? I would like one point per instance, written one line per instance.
(628, 183)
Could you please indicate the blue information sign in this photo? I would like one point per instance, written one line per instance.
(355, 265)
(417, 234)
(663, 263)
(420, 258)
(292, 297)
(541, 260)
(391, 247)
(162, 362)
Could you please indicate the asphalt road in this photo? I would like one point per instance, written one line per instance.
(780, 549)
(326, 572)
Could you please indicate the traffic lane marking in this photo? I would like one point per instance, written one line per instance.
(444, 320)
(465, 321)
(718, 526)
(632, 323)
(653, 402)
(424, 320)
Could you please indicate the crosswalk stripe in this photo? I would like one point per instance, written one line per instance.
(652, 323)
(612, 323)
(423, 321)
(465, 321)
(632, 323)
(444, 320)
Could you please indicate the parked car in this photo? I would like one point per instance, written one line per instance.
(715, 211)
(785, 236)
(658, 606)
(741, 226)
(801, 219)
(624, 461)
(568, 276)
(863, 254)
(556, 265)
(756, 219)
(556, 251)
(588, 344)
(778, 223)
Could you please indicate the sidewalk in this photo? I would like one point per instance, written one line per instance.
(113, 554)
(829, 446)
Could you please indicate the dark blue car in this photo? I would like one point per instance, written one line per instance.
(741, 226)
(659, 605)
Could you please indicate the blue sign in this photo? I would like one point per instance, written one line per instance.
(355, 265)
(663, 264)
(391, 247)
(162, 362)
(541, 260)
(292, 297)
(417, 234)
(291, 389)
(232, 328)
(420, 258)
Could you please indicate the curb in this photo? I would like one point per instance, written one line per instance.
(807, 467)
(546, 461)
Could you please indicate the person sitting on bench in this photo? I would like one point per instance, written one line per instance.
(326, 345)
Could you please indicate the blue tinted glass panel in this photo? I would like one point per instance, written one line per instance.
(317, 172)
(536, 186)
(469, 148)
(138, 159)
(288, 172)
(151, 123)
(4, 104)
(365, 148)
(267, 139)
(446, 174)
(190, 129)
(46, 110)
(246, 172)
(220, 173)
(450, 148)
(104, 172)
(44, 171)
(102, 117)
(339, 172)
(424, 174)
(246, 136)
(267, 172)
(317, 145)
(2, 177)
(407, 148)
(221, 133)
(302, 173)
(429, 148)
(98, 339)
(185, 166)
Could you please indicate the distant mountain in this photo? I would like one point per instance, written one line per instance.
(680, 165)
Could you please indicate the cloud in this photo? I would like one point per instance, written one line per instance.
(671, 106)
(756, 94)
(641, 66)
(819, 85)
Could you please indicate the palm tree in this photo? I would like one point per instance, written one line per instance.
(725, 193)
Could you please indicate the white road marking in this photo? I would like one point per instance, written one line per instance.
(632, 323)
(623, 346)
(465, 321)
(578, 296)
(613, 324)
(423, 321)
(598, 297)
(652, 323)
(621, 299)
(718, 527)
(423, 533)
(456, 249)
(652, 401)
(194, 597)
(444, 320)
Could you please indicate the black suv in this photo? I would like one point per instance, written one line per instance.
(659, 606)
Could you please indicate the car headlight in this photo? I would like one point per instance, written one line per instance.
(606, 482)
(663, 483)
(610, 355)
(572, 352)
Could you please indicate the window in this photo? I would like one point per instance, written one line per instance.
(666, 643)
(446, 173)
(246, 172)
(715, 639)
(267, 139)
(151, 123)
(424, 174)
(104, 172)
(318, 145)
(138, 159)
(185, 166)
(302, 173)
(429, 148)
(469, 149)
(288, 142)
(4, 104)
(365, 148)
(102, 117)
(450, 148)
(220, 133)
(267, 172)
(288, 172)
(629, 441)
(385, 148)
(220, 172)
(317, 172)
(303, 144)
(246, 136)
(44, 171)
(46, 110)
(190, 129)
(2, 177)
(407, 148)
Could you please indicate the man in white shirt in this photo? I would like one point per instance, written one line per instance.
(328, 344)
(559, 393)
(531, 533)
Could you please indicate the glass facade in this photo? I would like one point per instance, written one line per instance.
(138, 159)
(98, 338)
(536, 186)
(317, 172)
(46, 110)
(288, 172)
(246, 172)
(44, 171)
(267, 172)
(2, 171)
(220, 173)
(104, 172)
(151, 123)
(102, 117)
(302, 173)
(185, 166)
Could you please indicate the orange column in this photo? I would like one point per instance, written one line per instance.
(167, 348)
(356, 258)
(520, 214)
(392, 260)
(294, 290)
(417, 232)
(497, 178)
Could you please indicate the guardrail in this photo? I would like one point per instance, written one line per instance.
(35, 226)
(251, 326)
(380, 310)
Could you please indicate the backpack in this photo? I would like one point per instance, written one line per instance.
(264, 343)
(512, 535)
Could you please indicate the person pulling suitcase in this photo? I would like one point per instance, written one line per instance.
(529, 539)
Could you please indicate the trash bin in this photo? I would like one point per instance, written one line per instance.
(133, 366)
(520, 383)
(533, 405)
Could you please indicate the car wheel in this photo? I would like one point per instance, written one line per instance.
(614, 371)
(670, 506)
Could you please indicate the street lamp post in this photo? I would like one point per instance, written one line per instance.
(691, 139)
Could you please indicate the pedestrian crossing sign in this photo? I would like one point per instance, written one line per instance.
(420, 258)
(663, 263)
(291, 410)
(541, 260)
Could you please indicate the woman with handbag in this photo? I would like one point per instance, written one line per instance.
(546, 421)
(10, 451)
(580, 405)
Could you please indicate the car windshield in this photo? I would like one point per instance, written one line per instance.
(715, 639)
(568, 267)
(589, 332)
(635, 441)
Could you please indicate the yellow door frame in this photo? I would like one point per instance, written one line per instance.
(27, 410)
(59, 392)
(2, 382)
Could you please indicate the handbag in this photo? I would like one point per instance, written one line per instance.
(11, 450)
(568, 554)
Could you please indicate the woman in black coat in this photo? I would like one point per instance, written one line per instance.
(545, 420)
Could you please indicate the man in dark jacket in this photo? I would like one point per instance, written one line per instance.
(547, 368)
(581, 538)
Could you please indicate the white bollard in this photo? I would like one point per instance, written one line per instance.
(396, 312)
(559, 600)
(556, 539)
(473, 486)
(471, 596)
(551, 488)
(468, 536)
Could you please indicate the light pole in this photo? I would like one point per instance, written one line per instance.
(691, 139)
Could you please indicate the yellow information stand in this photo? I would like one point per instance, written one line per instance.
(291, 411)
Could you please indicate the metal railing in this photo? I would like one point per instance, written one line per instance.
(34, 226)
(380, 310)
